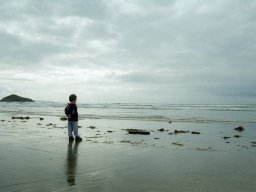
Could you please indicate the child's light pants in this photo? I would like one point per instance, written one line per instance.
(73, 128)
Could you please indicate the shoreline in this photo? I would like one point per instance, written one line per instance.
(160, 134)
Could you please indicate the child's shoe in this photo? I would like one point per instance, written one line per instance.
(79, 139)
(71, 139)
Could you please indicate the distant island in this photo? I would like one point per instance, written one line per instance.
(16, 98)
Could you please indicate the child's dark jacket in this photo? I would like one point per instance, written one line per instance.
(71, 109)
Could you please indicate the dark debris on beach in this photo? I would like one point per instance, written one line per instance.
(178, 144)
(195, 132)
(22, 118)
(110, 131)
(239, 129)
(110, 139)
(226, 137)
(162, 130)
(63, 118)
(138, 131)
(180, 131)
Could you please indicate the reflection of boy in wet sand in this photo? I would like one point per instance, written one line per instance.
(71, 163)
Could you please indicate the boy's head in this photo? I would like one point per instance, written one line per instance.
(72, 98)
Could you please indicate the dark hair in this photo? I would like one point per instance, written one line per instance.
(72, 97)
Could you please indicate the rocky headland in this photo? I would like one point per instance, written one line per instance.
(16, 98)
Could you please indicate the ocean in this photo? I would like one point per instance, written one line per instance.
(194, 113)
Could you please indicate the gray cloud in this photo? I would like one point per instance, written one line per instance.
(147, 49)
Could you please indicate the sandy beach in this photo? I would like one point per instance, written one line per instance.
(163, 91)
(36, 156)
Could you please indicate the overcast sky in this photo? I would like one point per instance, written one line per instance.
(161, 51)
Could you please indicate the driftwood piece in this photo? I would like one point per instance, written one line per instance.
(138, 131)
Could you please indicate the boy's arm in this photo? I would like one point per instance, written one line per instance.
(67, 111)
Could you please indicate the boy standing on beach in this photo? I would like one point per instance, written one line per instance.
(71, 112)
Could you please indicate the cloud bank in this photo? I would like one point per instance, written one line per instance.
(179, 51)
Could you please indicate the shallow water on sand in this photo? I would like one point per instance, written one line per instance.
(36, 156)
(58, 166)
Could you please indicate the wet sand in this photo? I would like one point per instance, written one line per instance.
(36, 156)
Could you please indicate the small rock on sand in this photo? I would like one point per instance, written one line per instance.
(63, 118)
(109, 131)
(226, 137)
(180, 131)
(239, 129)
(195, 132)
(162, 129)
